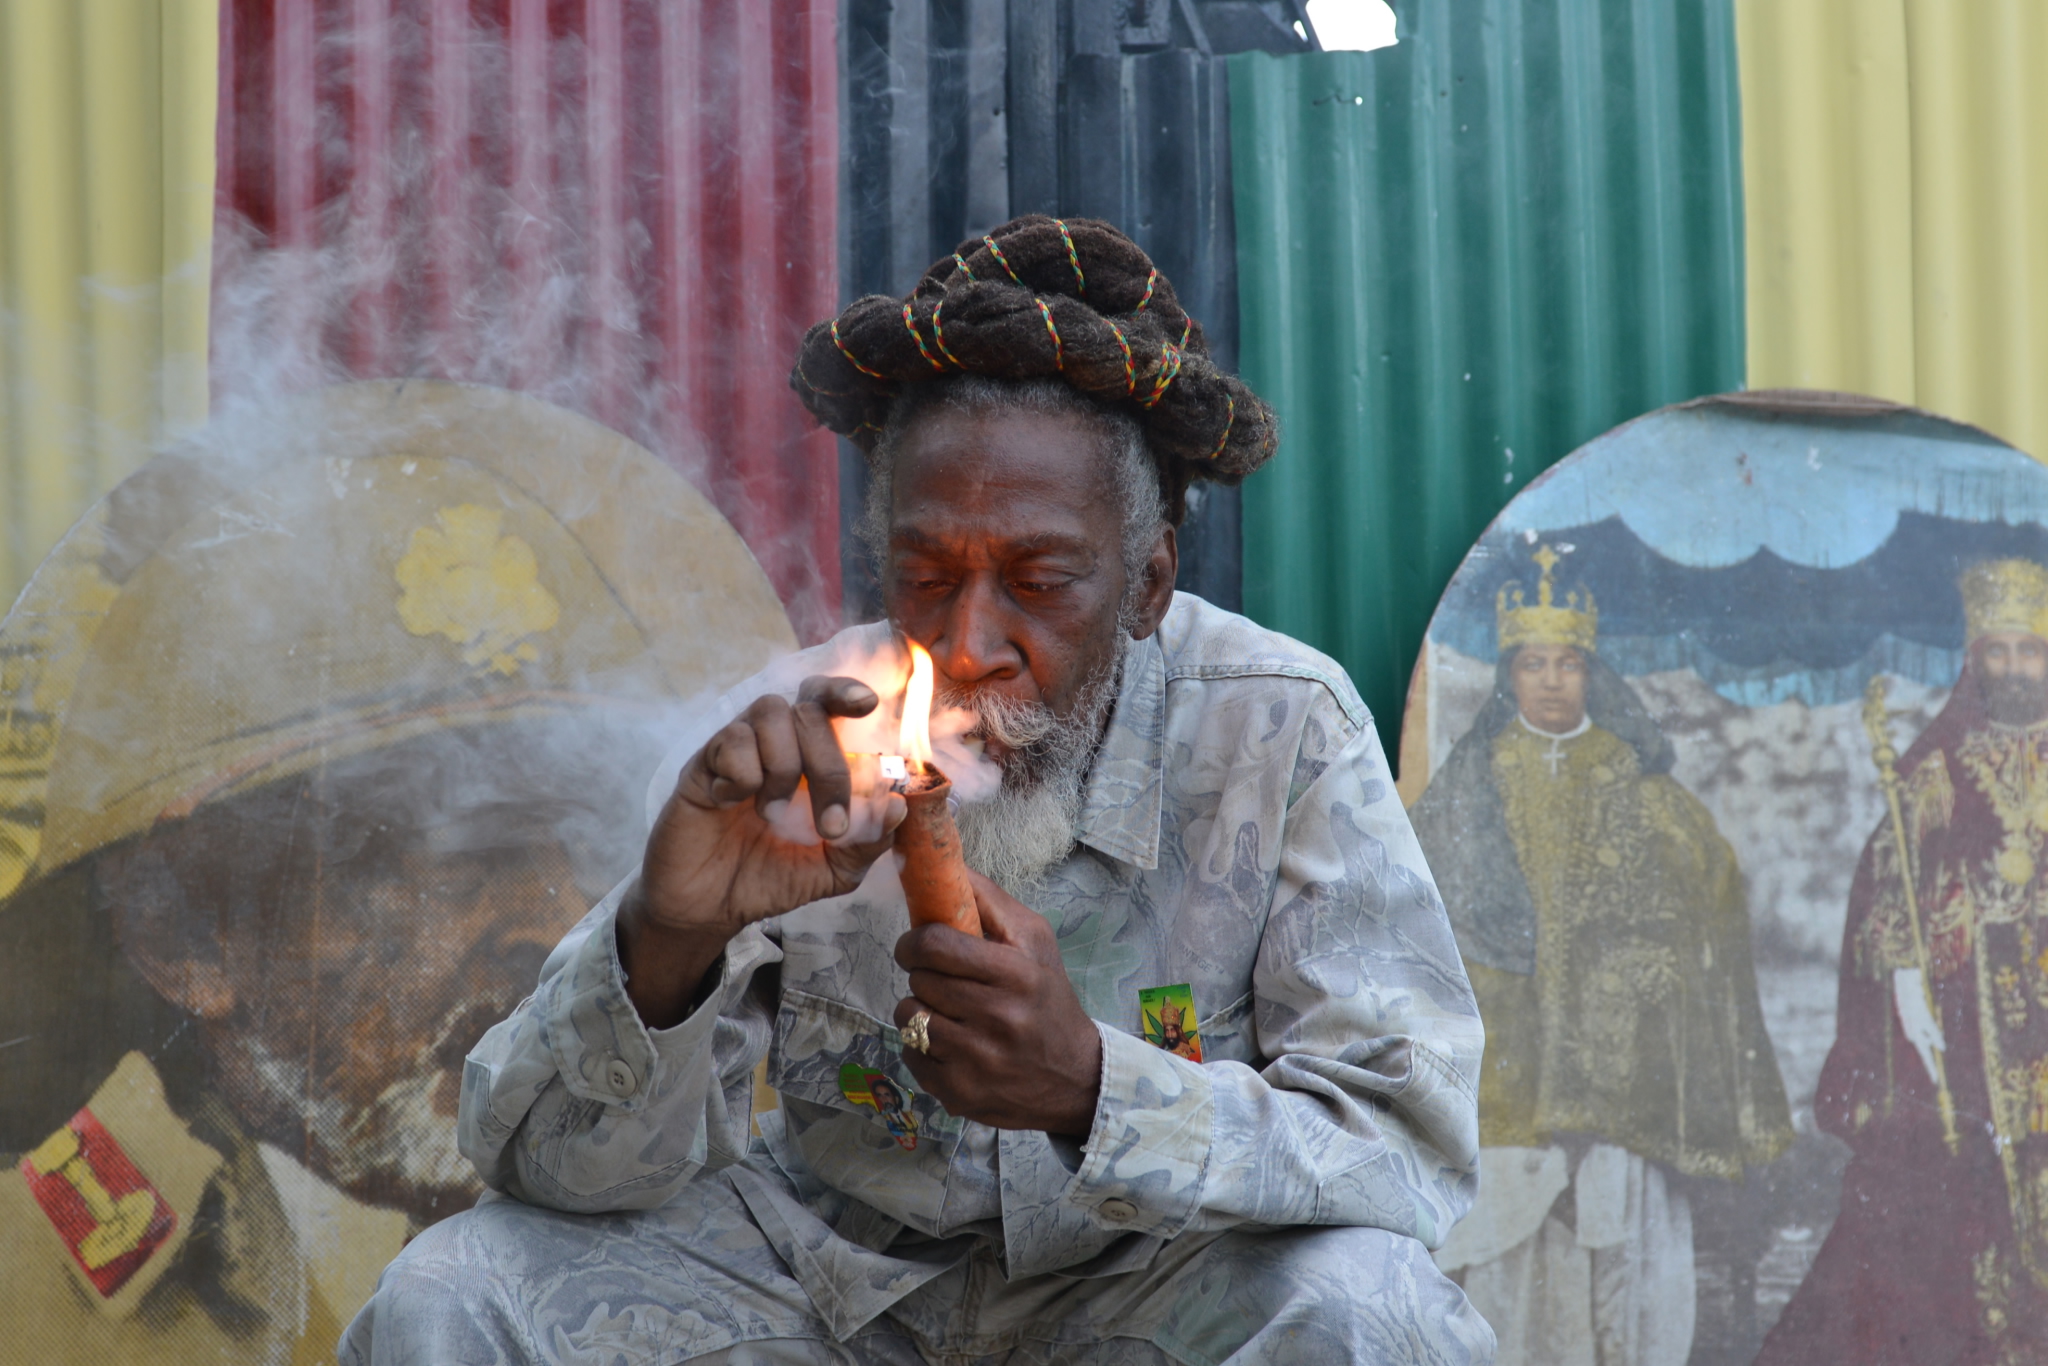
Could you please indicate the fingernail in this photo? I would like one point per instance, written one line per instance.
(832, 824)
(772, 812)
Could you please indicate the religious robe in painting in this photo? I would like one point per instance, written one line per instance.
(1603, 921)
(1940, 1256)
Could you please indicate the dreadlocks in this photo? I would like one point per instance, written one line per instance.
(1045, 298)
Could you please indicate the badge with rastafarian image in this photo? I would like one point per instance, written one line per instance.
(1169, 1015)
(881, 1093)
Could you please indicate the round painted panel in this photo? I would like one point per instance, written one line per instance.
(318, 734)
(1729, 750)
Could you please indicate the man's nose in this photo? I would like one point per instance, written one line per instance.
(974, 641)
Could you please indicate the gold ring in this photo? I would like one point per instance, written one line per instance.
(917, 1032)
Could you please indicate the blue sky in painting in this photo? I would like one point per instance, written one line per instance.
(1777, 557)
(1706, 487)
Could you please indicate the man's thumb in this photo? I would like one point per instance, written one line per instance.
(997, 907)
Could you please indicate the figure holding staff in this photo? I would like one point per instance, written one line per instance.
(1938, 1079)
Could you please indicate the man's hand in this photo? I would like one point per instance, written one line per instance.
(714, 865)
(1010, 1044)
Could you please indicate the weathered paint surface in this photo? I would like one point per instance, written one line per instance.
(1458, 259)
(1896, 170)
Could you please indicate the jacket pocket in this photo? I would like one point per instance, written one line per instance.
(1227, 1035)
(833, 1055)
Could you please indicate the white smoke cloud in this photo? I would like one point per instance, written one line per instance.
(873, 655)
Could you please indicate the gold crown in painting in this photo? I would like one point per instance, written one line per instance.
(2005, 595)
(1545, 622)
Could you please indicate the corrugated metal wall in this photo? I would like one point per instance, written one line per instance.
(1458, 259)
(106, 184)
(628, 207)
(1895, 156)
(960, 113)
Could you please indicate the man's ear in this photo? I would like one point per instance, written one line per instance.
(1161, 569)
(181, 962)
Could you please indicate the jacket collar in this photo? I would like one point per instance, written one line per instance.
(1121, 804)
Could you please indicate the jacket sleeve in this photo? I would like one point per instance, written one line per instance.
(1366, 1110)
(572, 1103)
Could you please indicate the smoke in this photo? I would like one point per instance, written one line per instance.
(629, 211)
(626, 213)
(872, 655)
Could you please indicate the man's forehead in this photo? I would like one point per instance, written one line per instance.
(943, 536)
(964, 460)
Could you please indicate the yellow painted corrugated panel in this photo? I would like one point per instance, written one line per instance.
(1895, 169)
(106, 214)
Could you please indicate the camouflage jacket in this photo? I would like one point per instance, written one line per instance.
(1240, 833)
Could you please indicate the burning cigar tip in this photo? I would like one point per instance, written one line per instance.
(909, 775)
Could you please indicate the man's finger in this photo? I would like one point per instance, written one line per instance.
(837, 695)
(781, 757)
(941, 948)
(1001, 913)
(935, 1030)
(851, 861)
(730, 764)
(957, 998)
(824, 765)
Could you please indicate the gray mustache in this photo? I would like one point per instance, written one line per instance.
(1007, 720)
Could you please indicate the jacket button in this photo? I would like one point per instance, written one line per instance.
(620, 1078)
(1117, 1211)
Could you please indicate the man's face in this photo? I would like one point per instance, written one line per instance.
(1550, 686)
(1172, 1033)
(1005, 557)
(2012, 669)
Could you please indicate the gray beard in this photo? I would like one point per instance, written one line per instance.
(1017, 836)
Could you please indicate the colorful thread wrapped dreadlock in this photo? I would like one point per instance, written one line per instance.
(1039, 297)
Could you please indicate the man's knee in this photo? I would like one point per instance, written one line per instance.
(451, 1295)
(509, 1281)
(1325, 1294)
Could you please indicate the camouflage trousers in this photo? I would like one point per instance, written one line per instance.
(700, 1280)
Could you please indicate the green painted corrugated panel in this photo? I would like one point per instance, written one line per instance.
(1458, 259)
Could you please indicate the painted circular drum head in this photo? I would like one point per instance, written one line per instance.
(319, 732)
(1729, 749)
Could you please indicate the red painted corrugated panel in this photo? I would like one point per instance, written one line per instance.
(624, 206)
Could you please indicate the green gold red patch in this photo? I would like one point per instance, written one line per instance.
(882, 1094)
(109, 1216)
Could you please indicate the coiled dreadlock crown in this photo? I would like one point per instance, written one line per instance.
(1039, 297)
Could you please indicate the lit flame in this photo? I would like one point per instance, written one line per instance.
(916, 737)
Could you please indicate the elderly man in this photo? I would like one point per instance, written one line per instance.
(1185, 800)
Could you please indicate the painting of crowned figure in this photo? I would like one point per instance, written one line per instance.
(1602, 918)
(1938, 1078)
(1728, 747)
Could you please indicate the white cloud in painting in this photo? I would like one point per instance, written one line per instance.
(1709, 488)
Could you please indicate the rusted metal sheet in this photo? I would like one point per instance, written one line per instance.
(628, 207)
